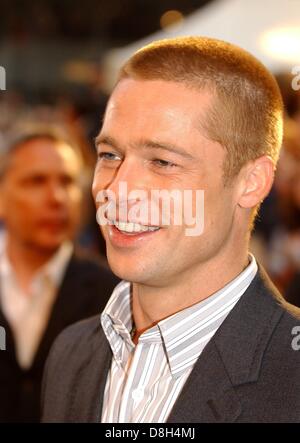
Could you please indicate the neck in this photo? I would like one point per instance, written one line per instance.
(26, 260)
(151, 304)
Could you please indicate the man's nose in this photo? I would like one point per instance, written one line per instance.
(56, 193)
(129, 176)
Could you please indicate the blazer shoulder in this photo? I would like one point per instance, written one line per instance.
(288, 318)
(72, 349)
(290, 312)
(92, 272)
(86, 288)
(90, 264)
(77, 334)
(70, 354)
(289, 324)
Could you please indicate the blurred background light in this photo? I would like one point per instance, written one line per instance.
(79, 71)
(172, 19)
(282, 43)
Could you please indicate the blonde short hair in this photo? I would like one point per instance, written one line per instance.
(246, 115)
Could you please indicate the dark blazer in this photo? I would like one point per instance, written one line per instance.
(248, 372)
(85, 290)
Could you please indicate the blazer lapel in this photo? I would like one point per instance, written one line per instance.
(208, 395)
(232, 357)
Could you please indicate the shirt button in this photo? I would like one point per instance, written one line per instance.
(138, 394)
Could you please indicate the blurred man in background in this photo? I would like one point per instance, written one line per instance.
(44, 285)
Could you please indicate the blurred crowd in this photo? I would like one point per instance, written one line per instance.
(276, 240)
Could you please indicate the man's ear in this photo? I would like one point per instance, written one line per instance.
(256, 181)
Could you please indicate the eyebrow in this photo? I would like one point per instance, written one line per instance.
(106, 140)
(147, 144)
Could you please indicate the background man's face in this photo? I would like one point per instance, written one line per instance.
(141, 114)
(40, 194)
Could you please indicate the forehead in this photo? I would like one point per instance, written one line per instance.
(43, 154)
(155, 105)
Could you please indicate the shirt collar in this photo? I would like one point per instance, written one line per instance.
(116, 320)
(56, 266)
(192, 327)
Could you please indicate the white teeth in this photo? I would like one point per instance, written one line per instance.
(134, 227)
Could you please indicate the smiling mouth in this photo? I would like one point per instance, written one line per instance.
(134, 228)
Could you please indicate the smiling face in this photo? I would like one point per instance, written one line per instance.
(151, 139)
(40, 194)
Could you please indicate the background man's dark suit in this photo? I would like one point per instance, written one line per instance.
(84, 292)
(247, 373)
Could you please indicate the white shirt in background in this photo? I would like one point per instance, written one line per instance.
(28, 313)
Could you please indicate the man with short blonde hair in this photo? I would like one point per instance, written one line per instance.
(195, 332)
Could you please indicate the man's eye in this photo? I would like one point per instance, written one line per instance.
(67, 180)
(108, 156)
(35, 180)
(163, 163)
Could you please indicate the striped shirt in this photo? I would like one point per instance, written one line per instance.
(145, 380)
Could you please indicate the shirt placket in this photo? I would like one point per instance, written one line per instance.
(128, 398)
(138, 382)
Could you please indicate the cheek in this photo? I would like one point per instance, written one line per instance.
(97, 185)
(22, 217)
(218, 210)
(102, 178)
(22, 203)
(76, 197)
